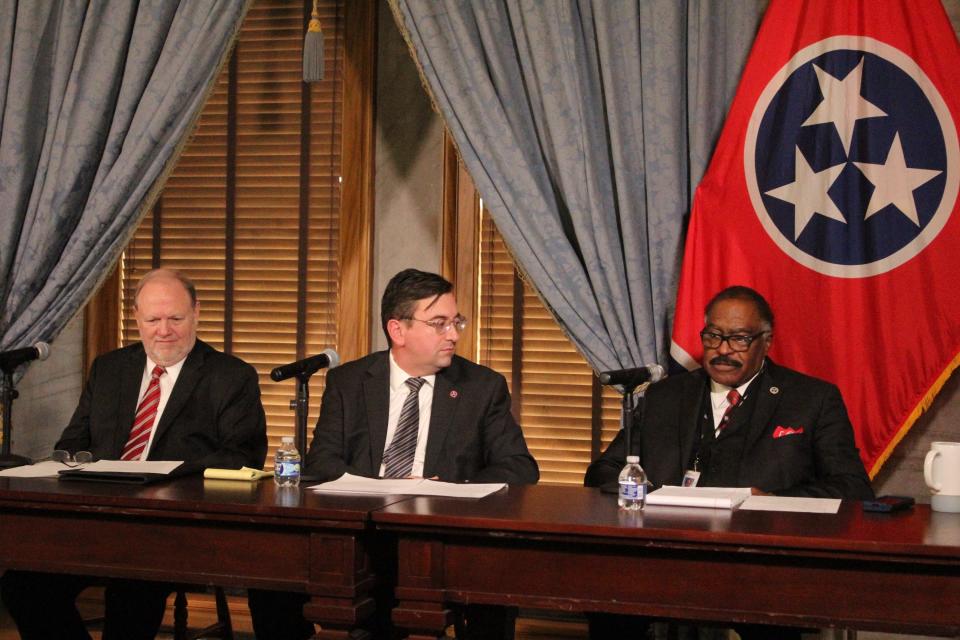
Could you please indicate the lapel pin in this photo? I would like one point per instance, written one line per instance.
(453, 393)
(774, 390)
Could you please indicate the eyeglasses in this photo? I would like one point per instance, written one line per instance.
(738, 342)
(71, 459)
(443, 327)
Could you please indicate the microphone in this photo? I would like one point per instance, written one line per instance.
(634, 377)
(16, 357)
(307, 366)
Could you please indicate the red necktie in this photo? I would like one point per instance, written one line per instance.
(143, 421)
(734, 398)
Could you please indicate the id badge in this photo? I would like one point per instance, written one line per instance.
(691, 478)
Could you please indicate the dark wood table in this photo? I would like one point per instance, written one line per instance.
(203, 532)
(571, 549)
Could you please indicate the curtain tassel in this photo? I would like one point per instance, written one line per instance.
(313, 49)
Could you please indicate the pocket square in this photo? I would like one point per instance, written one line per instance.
(779, 432)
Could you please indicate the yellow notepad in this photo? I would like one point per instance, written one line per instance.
(246, 474)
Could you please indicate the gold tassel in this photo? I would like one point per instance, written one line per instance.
(313, 49)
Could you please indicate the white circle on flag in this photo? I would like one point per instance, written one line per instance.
(947, 201)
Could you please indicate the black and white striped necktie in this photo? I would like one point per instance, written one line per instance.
(398, 458)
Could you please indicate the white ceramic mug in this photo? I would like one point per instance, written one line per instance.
(941, 472)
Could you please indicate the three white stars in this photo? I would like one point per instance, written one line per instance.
(893, 181)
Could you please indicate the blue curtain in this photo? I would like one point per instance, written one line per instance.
(96, 98)
(585, 126)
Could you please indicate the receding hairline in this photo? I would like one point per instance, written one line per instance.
(743, 294)
(166, 274)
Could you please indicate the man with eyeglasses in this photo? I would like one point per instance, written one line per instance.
(170, 396)
(416, 409)
(740, 421)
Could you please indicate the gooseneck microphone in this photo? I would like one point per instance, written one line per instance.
(9, 360)
(307, 366)
(633, 377)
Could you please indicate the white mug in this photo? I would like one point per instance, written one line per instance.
(941, 472)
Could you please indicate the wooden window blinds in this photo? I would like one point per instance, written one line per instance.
(251, 210)
(567, 417)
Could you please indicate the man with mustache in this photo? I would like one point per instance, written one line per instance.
(740, 421)
(782, 432)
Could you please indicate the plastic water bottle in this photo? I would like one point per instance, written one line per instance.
(633, 485)
(286, 472)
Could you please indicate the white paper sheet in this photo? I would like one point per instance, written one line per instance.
(50, 469)
(798, 505)
(406, 486)
(133, 466)
(47, 469)
(713, 497)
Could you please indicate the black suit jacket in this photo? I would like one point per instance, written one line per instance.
(472, 438)
(213, 418)
(821, 461)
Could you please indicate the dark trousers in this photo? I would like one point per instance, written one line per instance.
(278, 615)
(617, 626)
(43, 606)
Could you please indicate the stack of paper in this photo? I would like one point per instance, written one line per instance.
(715, 497)
(406, 486)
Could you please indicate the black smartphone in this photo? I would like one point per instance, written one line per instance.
(886, 504)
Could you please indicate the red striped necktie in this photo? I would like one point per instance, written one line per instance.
(734, 398)
(144, 419)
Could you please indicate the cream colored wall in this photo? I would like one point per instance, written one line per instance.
(409, 178)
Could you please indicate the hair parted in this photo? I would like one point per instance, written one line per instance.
(404, 291)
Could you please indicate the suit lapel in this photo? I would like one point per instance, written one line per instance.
(442, 410)
(768, 397)
(187, 381)
(130, 378)
(689, 417)
(376, 398)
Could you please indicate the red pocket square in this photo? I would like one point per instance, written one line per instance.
(779, 432)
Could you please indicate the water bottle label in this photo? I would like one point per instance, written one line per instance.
(288, 469)
(632, 490)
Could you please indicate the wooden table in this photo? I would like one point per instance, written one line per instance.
(571, 549)
(200, 532)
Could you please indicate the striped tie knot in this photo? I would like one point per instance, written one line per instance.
(733, 398)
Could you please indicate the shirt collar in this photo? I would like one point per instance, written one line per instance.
(718, 392)
(172, 370)
(398, 377)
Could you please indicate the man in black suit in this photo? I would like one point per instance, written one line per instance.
(466, 431)
(169, 397)
(741, 421)
(463, 430)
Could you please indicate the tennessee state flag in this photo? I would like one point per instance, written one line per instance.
(833, 192)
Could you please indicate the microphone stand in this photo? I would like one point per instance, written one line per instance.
(7, 395)
(301, 405)
(629, 406)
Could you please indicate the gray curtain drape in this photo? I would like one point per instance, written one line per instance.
(585, 126)
(96, 98)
